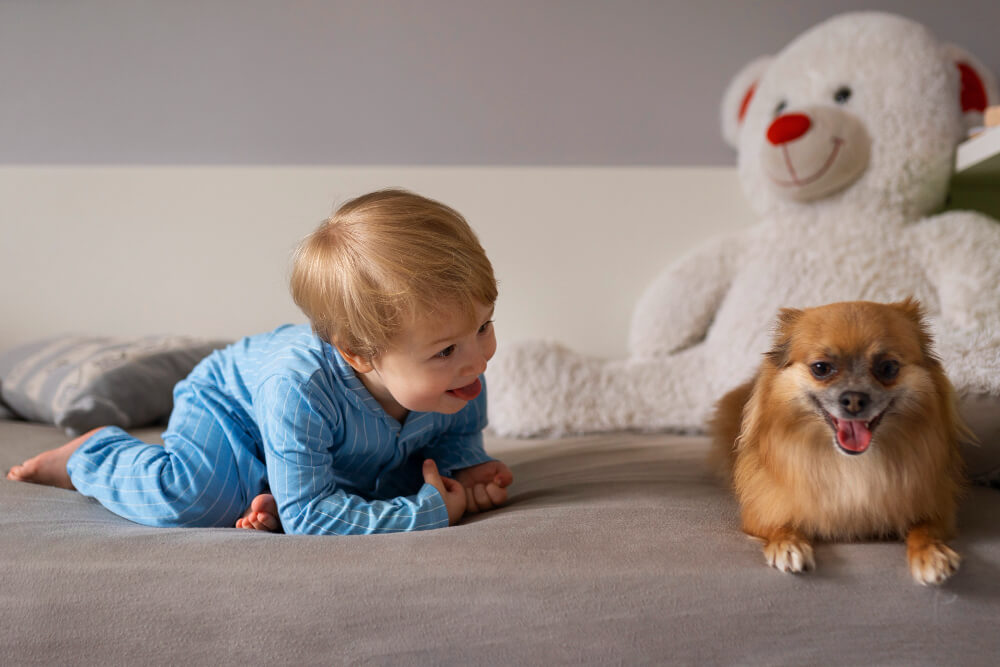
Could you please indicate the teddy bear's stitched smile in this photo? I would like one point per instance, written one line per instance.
(796, 181)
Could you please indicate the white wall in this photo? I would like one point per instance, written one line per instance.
(205, 250)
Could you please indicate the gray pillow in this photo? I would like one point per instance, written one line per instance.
(5, 412)
(79, 383)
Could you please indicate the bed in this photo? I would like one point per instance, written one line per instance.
(614, 549)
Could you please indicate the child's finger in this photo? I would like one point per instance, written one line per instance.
(504, 477)
(482, 499)
(431, 475)
(451, 485)
(470, 502)
(497, 494)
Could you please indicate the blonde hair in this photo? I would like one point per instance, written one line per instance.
(382, 259)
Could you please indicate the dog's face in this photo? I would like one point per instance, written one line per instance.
(855, 365)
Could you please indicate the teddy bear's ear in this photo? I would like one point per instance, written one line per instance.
(978, 85)
(737, 98)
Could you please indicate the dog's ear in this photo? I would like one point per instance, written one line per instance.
(912, 309)
(914, 312)
(787, 319)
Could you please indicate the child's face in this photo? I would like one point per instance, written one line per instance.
(434, 364)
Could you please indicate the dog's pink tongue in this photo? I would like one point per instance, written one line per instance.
(469, 391)
(853, 435)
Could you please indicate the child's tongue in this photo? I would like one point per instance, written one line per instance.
(853, 435)
(469, 391)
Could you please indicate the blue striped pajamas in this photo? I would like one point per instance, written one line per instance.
(281, 411)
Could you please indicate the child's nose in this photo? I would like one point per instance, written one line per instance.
(479, 366)
(476, 364)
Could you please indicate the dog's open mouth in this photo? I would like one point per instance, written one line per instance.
(853, 436)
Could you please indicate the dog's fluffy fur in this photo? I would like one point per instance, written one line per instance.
(848, 431)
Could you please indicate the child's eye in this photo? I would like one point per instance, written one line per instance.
(446, 352)
(486, 326)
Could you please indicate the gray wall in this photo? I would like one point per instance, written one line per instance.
(422, 82)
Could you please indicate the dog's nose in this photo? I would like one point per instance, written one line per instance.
(787, 128)
(854, 402)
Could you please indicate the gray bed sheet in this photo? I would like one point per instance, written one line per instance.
(614, 549)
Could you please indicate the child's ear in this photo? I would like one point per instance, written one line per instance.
(359, 363)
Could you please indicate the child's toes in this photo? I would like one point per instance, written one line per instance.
(259, 521)
(265, 521)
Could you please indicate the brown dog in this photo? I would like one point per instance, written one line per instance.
(850, 430)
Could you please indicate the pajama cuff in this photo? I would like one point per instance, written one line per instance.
(436, 513)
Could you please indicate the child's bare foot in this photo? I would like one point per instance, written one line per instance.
(262, 514)
(49, 467)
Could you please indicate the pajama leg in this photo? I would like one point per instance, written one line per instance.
(205, 474)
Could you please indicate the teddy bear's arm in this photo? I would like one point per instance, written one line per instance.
(961, 253)
(678, 308)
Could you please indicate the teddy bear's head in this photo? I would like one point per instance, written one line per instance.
(861, 113)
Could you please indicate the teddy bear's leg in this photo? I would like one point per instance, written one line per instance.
(542, 388)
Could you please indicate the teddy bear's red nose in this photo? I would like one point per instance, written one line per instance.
(787, 128)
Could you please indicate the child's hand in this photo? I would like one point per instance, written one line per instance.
(450, 490)
(485, 485)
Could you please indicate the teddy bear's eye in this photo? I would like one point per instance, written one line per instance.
(781, 107)
(842, 95)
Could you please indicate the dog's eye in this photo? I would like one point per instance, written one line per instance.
(821, 370)
(887, 370)
(842, 95)
(781, 107)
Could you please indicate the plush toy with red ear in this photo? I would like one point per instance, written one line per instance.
(846, 144)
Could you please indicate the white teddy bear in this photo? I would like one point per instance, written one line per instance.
(846, 144)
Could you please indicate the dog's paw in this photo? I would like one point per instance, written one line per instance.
(790, 554)
(933, 563)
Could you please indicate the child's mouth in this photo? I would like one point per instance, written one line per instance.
(468, 392)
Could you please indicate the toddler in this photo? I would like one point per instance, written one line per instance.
(368, 421)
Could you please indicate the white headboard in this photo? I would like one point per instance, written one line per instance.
(205, 250)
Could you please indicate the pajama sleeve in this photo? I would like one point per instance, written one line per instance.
(302, 430)
(461, 445)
